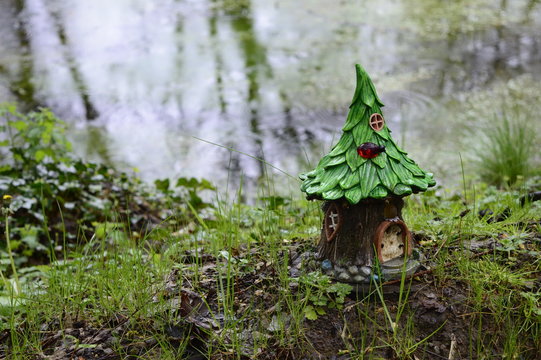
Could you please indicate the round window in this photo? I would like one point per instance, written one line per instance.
(376, 122)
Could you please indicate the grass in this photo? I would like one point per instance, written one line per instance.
(221, 286)
(507, 150)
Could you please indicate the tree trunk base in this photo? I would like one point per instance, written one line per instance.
(355, 238)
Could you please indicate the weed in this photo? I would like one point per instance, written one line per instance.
(321, 293)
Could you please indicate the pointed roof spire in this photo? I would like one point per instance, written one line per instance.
(365, 90)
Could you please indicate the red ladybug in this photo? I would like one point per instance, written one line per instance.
(370, 150)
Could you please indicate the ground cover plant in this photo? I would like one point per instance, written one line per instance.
(158, 273)
(56, 200)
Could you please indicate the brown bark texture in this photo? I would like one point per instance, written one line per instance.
(354, 242)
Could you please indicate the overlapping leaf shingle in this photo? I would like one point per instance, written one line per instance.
(343, 173)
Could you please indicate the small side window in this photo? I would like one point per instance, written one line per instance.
(333, 221)
(376, 122)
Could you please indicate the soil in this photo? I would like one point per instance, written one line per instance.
(438, 322)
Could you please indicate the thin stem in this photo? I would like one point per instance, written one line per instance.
(10, 254)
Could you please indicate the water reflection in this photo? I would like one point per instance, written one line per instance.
(140, 80)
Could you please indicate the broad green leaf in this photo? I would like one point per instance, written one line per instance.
(310, 312)
(373, 88)
(354, 195)
(351, 119)
(380, 160)
(430, 180)
(353, 159)
(320, 311)
(420, 183)
(384, 133)
(390, 149)
(327, 182)
(368, 178)
(409, 181)
(355, 115)
(324, 161)
(388, 178)
(187, 182)
(398, 147)
(413, 168)
(204, 184)
(342, 145)
(46, 138)
(367, 95)
(333, 194)
(365, 90)
(378, 192)
(361, 133)
(348, 180)
(332, 176)
(402, 189)
(400, 171)
(312, 188)
(35, 133)
(335, 160)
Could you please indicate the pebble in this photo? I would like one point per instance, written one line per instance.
(326, 265)
(358, 278)
(294, 273)
(329, 272)
(353, 270)
(343, 276)
(366, 270)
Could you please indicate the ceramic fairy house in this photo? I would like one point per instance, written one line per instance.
(362, 182)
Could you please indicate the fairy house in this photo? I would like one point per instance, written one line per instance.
(362, 182)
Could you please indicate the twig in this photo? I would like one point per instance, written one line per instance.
(434, 354)
(452, 349)
(246, 154)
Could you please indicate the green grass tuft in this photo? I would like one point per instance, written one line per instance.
(507, 150)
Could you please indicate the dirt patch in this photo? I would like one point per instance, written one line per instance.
(433, 319)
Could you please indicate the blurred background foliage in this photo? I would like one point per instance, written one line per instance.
(56, 200)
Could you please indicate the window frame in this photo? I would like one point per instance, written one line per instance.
(328, 223)
(376, 122)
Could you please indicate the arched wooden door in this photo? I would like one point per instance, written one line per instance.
(392, 239)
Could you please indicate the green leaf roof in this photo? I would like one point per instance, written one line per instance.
(343, 173)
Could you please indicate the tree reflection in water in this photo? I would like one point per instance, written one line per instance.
(268, 78)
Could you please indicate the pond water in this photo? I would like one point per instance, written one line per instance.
(210, 88)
